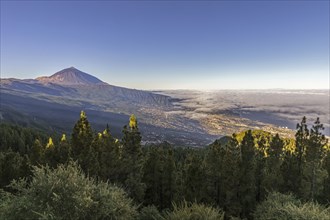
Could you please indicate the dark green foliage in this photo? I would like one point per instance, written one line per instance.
(193, 175)
(150, 213)
(109, 156)
(313, 173)
(65, 193)
(49, 153)
(62, 152)
(325, 198)
(170, 177)
(223, 170)
(260, 169)
(231, 175)
(81, 140)
(302, 136)
(303, 171)
(215, 166)
(289, 172)
(152, 178)
(234, 174)
(247, 188)
(12, 166)
(37, 153)
(19, 139)
(82, 150)
(160, 176)
(273, 179)
(132, 160)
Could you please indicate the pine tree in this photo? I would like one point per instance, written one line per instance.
(109, 157)
(194, 177)
(92, 161)
(160, 176)
(315, 153)
(288, 172)
(36, 153)
(214, 163)
(100, 157)
(247, 191)
(260, 169)
(82, 135)
(62, 151)
(152, 176)
(81, 140)
(169, 177)
(231, 171)
(302, 136)
(132, 160)
(50, 157)
(273, 179)
(325, 198)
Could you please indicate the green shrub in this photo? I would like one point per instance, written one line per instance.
(64, 193)
(194, 211)
(280, 206)
(150, 213)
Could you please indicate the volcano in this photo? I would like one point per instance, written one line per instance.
(71, 76)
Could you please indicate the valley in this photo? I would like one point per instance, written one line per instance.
(180, 117)
(277, 111)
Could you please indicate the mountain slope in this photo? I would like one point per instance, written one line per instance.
(70, 76)
(75, 84)
(54, 103)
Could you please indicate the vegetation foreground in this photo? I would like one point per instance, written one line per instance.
(250, 175)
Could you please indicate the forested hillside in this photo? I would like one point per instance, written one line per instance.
(94, 175)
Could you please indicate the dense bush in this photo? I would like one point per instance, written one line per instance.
(280, 206)
(194, 211)
(150, 213)
(64, 193)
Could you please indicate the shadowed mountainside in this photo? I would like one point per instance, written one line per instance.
(51, 103)
(75, 84)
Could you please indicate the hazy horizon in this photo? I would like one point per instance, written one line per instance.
(194, 89)
(171, 45)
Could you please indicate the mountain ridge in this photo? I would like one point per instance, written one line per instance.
(71, 76)
(54, 101)
(71, 83)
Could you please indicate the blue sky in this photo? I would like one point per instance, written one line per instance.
(171, 45)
